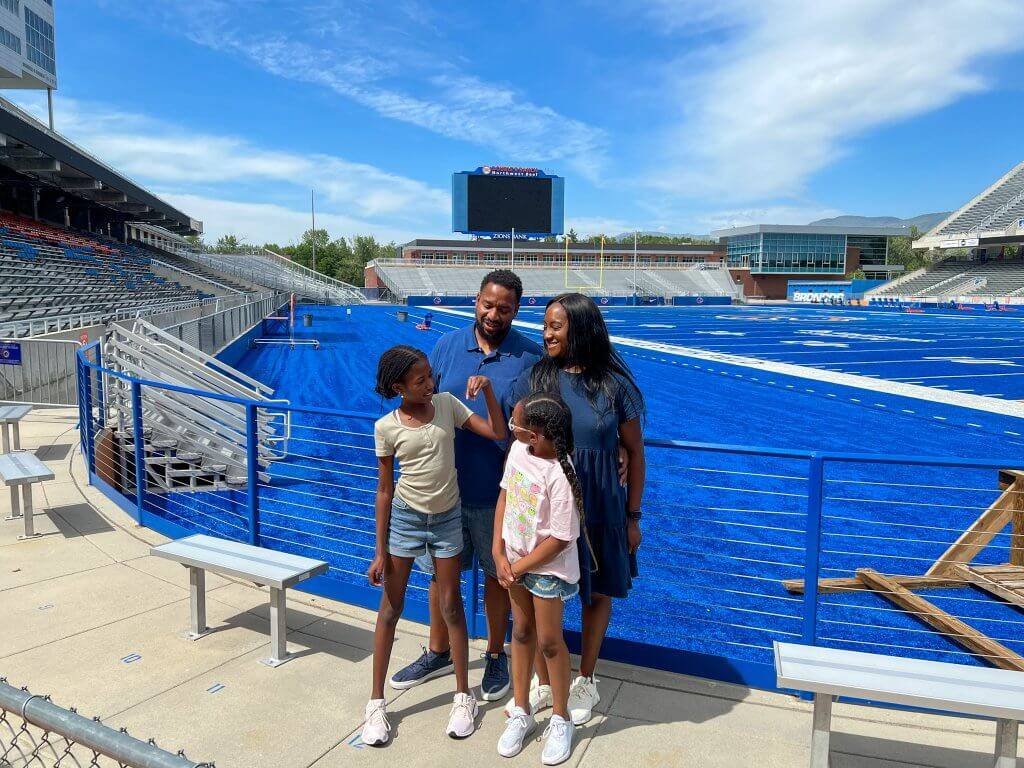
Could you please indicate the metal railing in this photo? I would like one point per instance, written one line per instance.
(732, 533)
(56, 323)
(38, 371)
(42, 371)
(214, 332)
(267, 268)
(36, 732)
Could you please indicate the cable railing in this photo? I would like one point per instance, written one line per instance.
(912, 555)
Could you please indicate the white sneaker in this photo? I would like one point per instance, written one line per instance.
(376, 729)
(558, 741)
(583, 697)
(462, 721)
(518, 726)
(540, 698)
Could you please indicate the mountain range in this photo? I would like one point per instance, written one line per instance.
(923, 222)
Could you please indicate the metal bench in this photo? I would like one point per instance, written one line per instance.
(935, 685)
(265, 567)
(22, 468)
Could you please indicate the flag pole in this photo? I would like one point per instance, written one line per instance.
(312, 232)
(513, 263)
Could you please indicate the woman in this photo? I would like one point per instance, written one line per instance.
(581, 367)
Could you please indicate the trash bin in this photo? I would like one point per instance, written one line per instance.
(307, 321)
(402, 315)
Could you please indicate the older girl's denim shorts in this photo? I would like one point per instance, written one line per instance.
(412, 533)
(544, 585)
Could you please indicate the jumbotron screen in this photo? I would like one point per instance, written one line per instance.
(496, 200)
(499, 203)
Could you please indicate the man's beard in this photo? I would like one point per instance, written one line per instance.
(491, 337)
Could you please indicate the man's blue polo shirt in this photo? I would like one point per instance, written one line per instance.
(457, 356)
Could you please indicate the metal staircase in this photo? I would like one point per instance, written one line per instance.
(191, 442)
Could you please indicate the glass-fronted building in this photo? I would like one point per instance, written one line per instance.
(809, 250)
(763, 255)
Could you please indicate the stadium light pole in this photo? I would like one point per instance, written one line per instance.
(634, 264)
(312, 232)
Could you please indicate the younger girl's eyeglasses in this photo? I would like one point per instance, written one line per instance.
(513, 427)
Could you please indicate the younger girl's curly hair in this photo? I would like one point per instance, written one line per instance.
(392, 367)
(550, 416)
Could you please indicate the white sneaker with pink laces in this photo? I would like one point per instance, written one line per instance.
(376, 729)
(462, 721)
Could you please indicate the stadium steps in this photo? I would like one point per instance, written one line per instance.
(191, 442)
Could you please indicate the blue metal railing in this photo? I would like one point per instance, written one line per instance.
(729, 611)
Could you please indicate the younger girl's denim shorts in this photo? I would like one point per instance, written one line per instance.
(412, 533)
(544, 585)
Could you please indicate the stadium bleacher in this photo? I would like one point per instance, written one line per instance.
(46, 271)
(404, 278)
(963, 278)
(993, 210)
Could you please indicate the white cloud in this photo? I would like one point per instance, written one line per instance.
(372, 60)
(259, 223)
(597, 225)
(207, 173)
(707, 221)
(796, 81)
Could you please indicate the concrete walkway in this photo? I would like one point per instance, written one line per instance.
(89, 617)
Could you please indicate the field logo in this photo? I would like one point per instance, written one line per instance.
(437, 299)
(604, 299)
(700, 299)
(533, 300)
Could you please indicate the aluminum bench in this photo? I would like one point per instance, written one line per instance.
(956, 688)
(22, 468)
(265, 567)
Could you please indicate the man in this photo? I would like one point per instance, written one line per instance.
(490, 347)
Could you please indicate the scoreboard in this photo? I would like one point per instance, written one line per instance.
(494, 200)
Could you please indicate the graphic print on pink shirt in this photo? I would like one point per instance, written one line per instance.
(538, 504)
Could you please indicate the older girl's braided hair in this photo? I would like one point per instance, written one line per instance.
(551, 417)
(392, 367)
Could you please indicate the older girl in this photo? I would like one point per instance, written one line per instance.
(421, 516)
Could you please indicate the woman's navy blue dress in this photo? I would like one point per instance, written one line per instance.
(595, 431)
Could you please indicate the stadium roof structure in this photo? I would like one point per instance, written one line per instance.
(993, 217)
(32, 150)
(557, 247)
(810, 229)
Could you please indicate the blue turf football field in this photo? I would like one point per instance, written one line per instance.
(721, 531)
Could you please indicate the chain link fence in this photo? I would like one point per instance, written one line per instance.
(36, 733)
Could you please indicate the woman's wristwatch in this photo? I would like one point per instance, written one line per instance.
(633, 515)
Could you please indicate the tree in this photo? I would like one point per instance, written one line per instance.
(572, 236)
(195, 242)
(341, 258)
(227, 244)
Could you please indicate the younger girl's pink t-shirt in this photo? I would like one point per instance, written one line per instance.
(538, 504)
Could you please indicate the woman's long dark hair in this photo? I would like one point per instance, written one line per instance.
(590, 348)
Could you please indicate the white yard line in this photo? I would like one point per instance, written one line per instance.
(929, 394)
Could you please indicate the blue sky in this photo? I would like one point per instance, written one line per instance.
(670, 115)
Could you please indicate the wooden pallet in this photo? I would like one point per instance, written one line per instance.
(949, 626)
(1003, 581)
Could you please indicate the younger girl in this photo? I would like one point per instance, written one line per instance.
(536, 524)
(421, 515)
